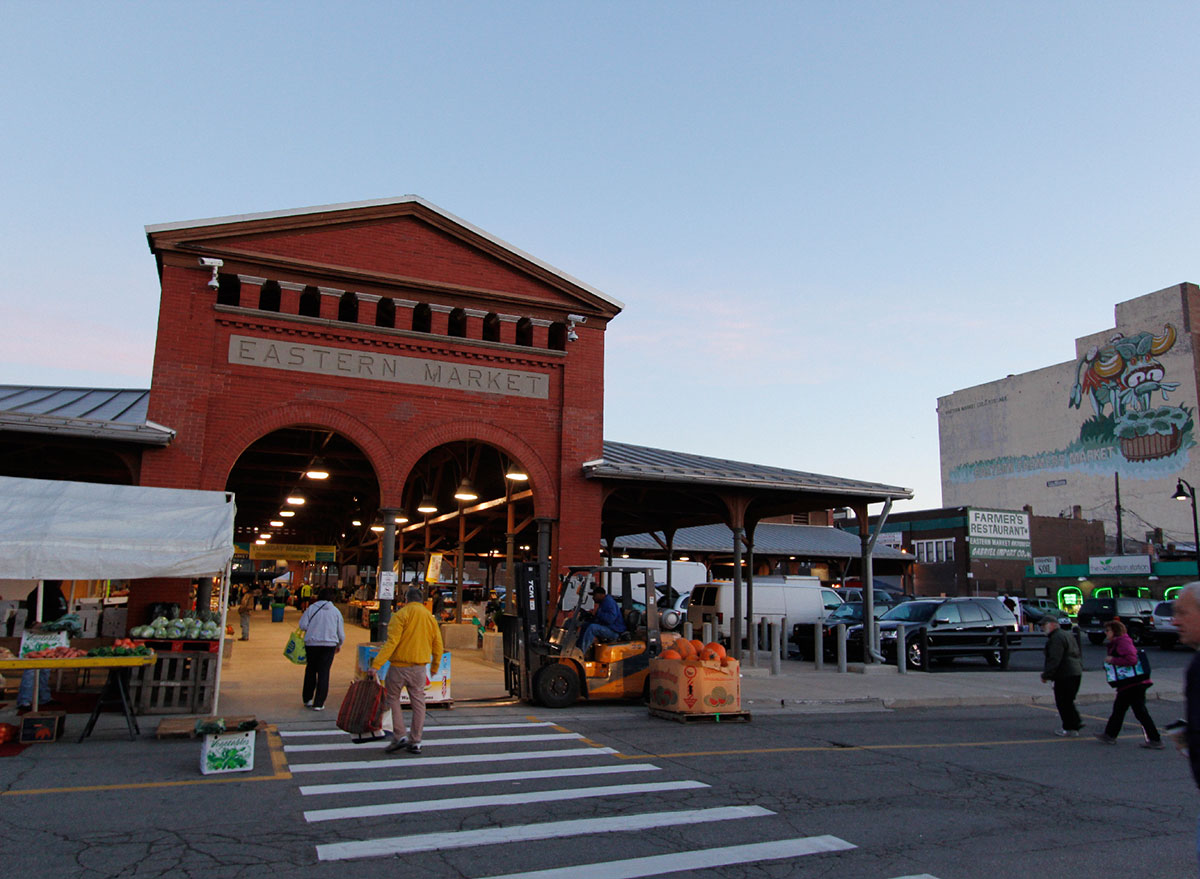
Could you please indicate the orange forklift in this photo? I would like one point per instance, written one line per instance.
(542, 662)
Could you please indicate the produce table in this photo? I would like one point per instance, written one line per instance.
(116, 688)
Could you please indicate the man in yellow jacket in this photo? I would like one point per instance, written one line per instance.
(414, 639)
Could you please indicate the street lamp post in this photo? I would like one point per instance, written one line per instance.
(1184, 491)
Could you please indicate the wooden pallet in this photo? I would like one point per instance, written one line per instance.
(685, 717)
(185, 727)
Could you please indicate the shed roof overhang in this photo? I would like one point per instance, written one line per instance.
(654, 489)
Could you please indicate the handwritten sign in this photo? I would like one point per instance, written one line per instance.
(32, 642)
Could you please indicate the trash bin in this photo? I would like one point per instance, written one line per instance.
(277, 612)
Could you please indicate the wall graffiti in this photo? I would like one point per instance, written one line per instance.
(1133, 430)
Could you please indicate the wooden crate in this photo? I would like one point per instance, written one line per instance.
(178, 683)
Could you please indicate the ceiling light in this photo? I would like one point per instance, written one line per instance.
(287, 514)
(427, 505)
(516, 474)
(401, 518)
(376, 527)
(465, 491)
(297, 500)
(264, 536)
(276, 523)
(357, 523)
(260, 543)
(317, 470)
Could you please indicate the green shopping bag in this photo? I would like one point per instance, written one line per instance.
(294, 649)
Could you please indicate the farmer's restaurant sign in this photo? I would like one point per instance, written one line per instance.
(357, 364)
(999, 534)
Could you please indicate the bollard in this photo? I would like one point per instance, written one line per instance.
(783, 638)
(841, 647)
(776, 662)
(687, 630)
(763, 633)
(819, 646)
(707, 629)
(901, 650)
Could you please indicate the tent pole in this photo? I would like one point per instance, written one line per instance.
(221, 642)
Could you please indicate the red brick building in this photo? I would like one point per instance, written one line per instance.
(397, 328)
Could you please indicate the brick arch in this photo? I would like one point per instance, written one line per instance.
(221, 458)
(543, 484)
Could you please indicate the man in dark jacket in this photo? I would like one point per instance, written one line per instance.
(1064, 667)
(604, 621)
(54, 606)
(1187, 620)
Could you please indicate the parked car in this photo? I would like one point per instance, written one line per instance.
(849, 613)
(884, 597)
(1162, 629)
(1135, 613)
(954, 626)
(1034, 609)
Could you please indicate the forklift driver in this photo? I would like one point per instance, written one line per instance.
(604, 621)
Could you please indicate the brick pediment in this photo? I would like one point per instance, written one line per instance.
(405, 242)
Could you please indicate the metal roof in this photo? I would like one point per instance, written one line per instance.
(623, 461)
(770, 538)
(99, 413)
(383, 202)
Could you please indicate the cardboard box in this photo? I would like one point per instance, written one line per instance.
(437, 683)
(695, 686)
(42, 726)
(227, 752)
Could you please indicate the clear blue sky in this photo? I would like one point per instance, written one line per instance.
(820, 215)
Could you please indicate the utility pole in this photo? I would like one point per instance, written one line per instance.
(1120, 534)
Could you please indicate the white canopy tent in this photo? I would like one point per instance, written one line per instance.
(52, 529)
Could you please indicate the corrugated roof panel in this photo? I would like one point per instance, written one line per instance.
(626, 461)
(116, 413)
(770, 538)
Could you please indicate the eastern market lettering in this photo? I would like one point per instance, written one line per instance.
(250, 351)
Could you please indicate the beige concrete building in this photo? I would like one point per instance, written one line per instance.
(1121, 412)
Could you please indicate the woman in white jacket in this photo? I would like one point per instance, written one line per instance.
(324, 635)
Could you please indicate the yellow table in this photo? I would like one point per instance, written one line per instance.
(117, 685)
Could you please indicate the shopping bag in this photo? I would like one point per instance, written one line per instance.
(1124, 675)
(294, 649)
(362, 710)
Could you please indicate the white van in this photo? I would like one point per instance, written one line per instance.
(684, 575)
(798, 599)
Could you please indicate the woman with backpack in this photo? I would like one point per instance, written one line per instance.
(324, 635)
(1122, 653)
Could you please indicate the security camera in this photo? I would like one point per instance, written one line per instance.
(210, 263)
(577, 318)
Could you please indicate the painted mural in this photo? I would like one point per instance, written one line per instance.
(1134, 429)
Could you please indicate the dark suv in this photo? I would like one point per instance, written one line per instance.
(1135, 613)
(949, 626)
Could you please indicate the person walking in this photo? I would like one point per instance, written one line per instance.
(305, 597)
(1186, 616)
(1122, 652)
(1064, 668)
(414, 640)
(249, 599)
(324, 635)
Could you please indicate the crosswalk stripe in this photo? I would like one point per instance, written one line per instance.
(427, 842)
(286, 733)
(482, 778)
(507, 799)
(677, 862)
(918, 876)
(411, 762)
(467, 740)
